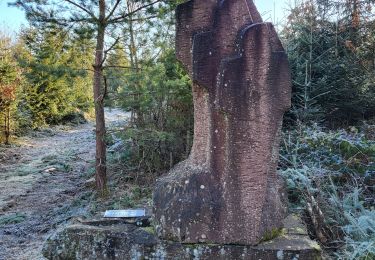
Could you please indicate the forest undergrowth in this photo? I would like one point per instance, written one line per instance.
(330, 178)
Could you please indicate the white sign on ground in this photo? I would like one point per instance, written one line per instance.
(128, 213)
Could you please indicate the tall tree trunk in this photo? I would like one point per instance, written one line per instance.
(135, 66)
(7, 126)
(99, 93)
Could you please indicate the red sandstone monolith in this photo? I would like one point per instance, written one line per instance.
(228, 191)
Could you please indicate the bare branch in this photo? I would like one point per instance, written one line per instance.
(120, 67)
(82, 8)
(124, 16)
(113, 9)
(144, 18)
(109, 49)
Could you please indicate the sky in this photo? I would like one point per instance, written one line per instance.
(272, 10)
(11, 18)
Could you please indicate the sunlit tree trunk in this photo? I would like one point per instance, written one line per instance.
(99, 93)
(7, 126)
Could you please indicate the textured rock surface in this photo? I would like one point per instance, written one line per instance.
(125, 241)
(228, 191)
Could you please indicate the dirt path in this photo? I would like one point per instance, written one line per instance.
(42, 185)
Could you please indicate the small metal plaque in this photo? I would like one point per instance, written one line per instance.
(128, 213)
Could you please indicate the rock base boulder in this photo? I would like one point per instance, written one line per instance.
(101, 240)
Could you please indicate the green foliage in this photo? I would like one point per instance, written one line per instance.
(331, 56)
(337, 150)
(334, 172)
(12, 219)
(57, 162)
(115, 75)
(132, 198)
(58, 86)
(274, 233)
(10, 82)
(151, 148)
(359, 228)
(160, 133)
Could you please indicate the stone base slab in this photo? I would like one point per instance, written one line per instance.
(97, 240)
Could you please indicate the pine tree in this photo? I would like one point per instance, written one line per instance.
(10, 79)
(330, 46)
(117, 67)
(55, 69)
(102, 16)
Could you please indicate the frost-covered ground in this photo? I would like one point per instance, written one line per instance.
(42, 184)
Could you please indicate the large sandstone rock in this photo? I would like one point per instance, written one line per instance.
(109, 240)
(228, 191)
